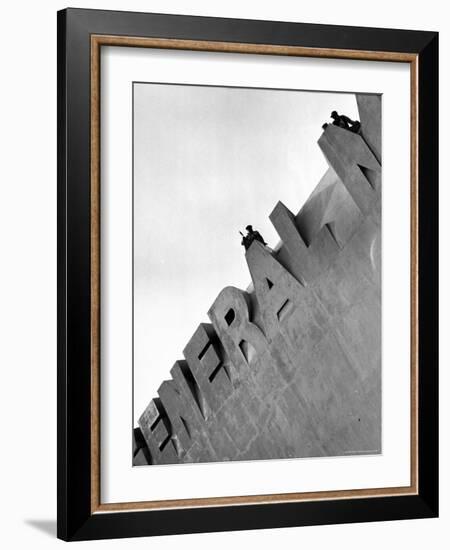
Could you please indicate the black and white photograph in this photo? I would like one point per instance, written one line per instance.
(256, 274)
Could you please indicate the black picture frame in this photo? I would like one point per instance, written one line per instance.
(76, 518)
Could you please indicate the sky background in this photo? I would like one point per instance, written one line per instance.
(207, 162)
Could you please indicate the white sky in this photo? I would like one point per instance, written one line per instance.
(207, 162)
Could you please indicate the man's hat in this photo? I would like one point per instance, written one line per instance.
(249, 228)
(334, 113)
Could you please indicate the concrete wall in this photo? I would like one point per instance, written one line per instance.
(292, 368)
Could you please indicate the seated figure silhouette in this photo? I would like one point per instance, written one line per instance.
(251, 236)
(343, 121)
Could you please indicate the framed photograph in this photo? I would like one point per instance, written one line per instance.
(247, 271)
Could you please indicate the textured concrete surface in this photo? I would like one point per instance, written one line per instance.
(369, 107)
(292, 368)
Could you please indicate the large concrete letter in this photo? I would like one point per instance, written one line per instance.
(278, 293)
(355, 164)
(203, 357)
(369, 107)
(141, 455)
(178, 399)
(305, 263)
(155, 428)
(276, 289)
(230, 315)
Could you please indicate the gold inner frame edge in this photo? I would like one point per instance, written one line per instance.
(97, 41)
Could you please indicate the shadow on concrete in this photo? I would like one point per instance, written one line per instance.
(47, 526)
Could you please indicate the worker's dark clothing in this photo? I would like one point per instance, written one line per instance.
(347, 123)
(250, 237)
